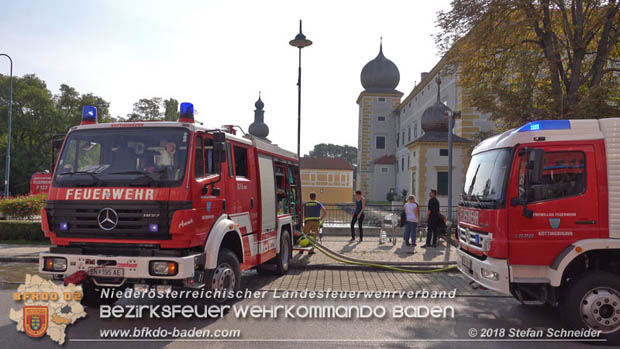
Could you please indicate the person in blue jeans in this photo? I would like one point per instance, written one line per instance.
(412, 211)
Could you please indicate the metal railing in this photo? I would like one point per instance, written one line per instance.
(339, 215)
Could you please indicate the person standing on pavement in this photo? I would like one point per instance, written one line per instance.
(358, 215)
(412, 212)
(313, 213)
(432, 219)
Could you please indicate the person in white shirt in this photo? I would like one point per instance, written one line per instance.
(413, 212)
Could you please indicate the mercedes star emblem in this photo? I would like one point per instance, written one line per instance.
(107, 219)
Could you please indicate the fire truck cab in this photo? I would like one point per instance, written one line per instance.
(156, 205)
(540, 219)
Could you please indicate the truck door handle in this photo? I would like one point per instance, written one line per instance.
(586, 222)
(251, 202)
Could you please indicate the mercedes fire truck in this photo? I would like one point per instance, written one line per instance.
(157, 205)
(539, 219)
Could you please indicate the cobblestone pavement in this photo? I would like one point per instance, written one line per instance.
(371, 250)
(364, 280)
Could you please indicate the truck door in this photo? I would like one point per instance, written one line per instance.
(563, 204)
(244, 208)
(207, 206)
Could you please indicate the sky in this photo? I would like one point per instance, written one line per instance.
(218, 55)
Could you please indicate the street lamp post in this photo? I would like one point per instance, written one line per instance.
(451, 118)
(8, 143)
(300, 42)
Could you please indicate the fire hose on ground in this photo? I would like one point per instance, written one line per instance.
(394, 266)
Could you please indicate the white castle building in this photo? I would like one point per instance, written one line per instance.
(403, 143)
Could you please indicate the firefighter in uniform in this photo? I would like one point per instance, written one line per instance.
(313, 214)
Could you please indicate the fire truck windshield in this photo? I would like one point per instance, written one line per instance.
(485, 178)
(145, 156)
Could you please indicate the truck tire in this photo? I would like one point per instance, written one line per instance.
(279, 265)
(91, 296)
(225, 277)
(592, 300)
(283, 258)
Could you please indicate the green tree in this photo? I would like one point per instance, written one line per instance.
(171, 109)
(535, 59)
(36, 116)
(329, 150)
(147, 110)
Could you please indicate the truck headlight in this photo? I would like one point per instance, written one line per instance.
(163, 268)
(487, 274)
(54, 263)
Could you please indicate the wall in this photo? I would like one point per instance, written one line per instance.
(330, 186)
(428, 162)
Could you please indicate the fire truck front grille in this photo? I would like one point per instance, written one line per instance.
(475, 238)
(134, 219)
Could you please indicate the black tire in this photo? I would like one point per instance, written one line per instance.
(591, 300)
(92, 296)
(286, 251)
(226, 275)
(279, 265)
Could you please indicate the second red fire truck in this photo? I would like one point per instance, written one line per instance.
(540, 219)
(156, 205)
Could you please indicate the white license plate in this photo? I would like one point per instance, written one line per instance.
(106, 272)
(467, 262)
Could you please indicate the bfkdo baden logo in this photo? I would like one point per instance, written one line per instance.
(36, 318)
(47, 308)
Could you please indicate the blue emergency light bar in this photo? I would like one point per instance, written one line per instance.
(546, 125)
(186, 113)
(89, 115)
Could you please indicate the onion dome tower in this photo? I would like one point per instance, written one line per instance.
(435, 117)
(380, 74)
(258, 128)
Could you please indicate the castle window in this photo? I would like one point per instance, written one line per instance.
(397, 138)
(381, 118)
(402, 164)
(442, 183)
(381, 99)
(415, 130)
(443, 152)
(409, 134)
(384, 169)
(380, 142)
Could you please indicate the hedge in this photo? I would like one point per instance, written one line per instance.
(19, 230)
(23, 206)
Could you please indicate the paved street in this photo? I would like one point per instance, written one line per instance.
(473, 309)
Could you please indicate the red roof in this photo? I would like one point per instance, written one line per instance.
(326, 163)
(386, 160)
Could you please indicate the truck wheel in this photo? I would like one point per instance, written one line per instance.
(226, 276)
(280, 263)
(92, 296)
(283, 258)
(592, 300)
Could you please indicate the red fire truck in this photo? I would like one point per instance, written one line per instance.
(157, 205)
(540, 219)
(40, 183)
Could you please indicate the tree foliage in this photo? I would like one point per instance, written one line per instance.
(154, 109)
(37, 115)
(329, 150)
(535, 59)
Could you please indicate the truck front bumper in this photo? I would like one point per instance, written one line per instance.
(132, 267)
(491, 273)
